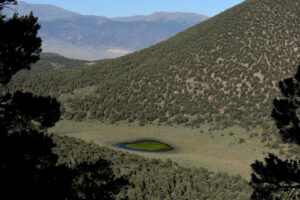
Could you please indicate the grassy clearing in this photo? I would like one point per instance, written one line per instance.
(230, 150)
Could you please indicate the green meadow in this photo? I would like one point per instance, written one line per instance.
(148, 146)
(231, 150)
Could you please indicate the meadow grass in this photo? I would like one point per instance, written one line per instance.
(218, 150)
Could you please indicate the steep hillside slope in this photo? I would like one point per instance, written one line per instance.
(223, 70)
(95, 37)
(54, 62)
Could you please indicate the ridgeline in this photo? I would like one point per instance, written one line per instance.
(223, 70)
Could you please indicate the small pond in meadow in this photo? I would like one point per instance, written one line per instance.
(145, 146)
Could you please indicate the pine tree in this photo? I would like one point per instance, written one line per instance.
(28, 167)
(276, 178)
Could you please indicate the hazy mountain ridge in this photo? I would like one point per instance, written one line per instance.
(45, 12)
(223, 70)
(70, 34)
(164, 17)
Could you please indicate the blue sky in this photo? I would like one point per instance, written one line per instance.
(115, 8)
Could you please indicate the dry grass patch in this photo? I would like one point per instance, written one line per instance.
(230, 150)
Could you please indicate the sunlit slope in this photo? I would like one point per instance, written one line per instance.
(54, 62)
(225, 69)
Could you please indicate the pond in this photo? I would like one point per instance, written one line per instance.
(145, 146)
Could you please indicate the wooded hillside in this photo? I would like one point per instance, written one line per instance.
(223, 70)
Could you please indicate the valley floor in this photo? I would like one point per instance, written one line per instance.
(230, 150)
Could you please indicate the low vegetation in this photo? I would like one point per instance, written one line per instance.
(54, 62)
(145, 175)
(216, 150)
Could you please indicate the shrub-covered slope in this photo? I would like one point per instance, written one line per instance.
(54, 62)
(225, 69)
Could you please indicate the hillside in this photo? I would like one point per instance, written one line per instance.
(95, 37)
(223, 70)
(54, 62)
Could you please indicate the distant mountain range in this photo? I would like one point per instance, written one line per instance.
(94, 37)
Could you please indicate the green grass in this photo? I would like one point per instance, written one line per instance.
(149, 146)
